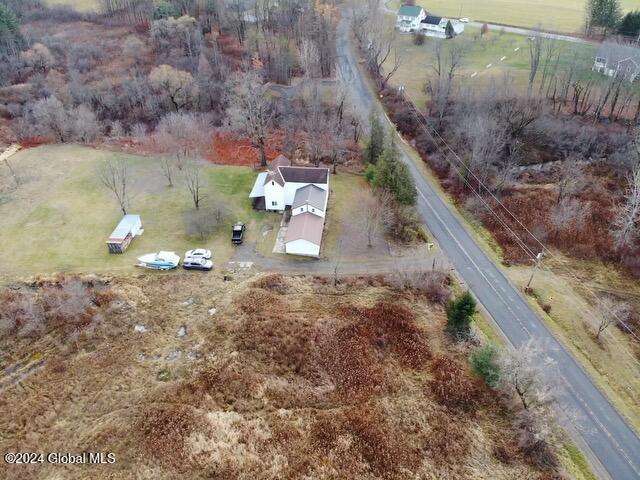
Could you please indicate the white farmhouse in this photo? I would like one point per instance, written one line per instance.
(615, 60)
(303, 190)
(409, 18)
(432, 26)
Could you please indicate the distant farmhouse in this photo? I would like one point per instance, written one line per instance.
(409, 18)
(415, 19)
(302, 190)
(616, 60)
(433, 26)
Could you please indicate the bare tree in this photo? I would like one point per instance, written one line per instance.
(440, 85)
(609, 312)
(570, 214)
(521, 372)
(250, 110)
(535, 50)
(337, 262)
(487, 140)
(183, 134)
(114, 174)
(204, 222)
(50, 117)
(178, 86)
(194, 181)
(626, 227)
(380, 42)
(570, 179)
(86, 126)
(551, 58)
(373, 213)
(391, 69)
(167, 165)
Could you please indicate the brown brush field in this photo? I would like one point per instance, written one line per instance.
(289, 377)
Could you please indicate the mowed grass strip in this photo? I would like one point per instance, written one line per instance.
(505, 54)
(60, 216)
(80, 5)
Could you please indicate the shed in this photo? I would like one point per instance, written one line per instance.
(130, 226)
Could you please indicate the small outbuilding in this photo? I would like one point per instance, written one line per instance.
(130, 226)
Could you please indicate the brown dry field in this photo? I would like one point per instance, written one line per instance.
(289, 378)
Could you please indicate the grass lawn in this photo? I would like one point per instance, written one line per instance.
(61, 215)
(479, 54)
(566, 16)
(80, 5)
(612, 362)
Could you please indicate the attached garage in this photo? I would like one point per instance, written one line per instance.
(304, 235)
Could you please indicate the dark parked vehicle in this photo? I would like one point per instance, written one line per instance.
(237, 234)
(197, 263)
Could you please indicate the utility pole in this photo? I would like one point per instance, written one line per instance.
(538, 264)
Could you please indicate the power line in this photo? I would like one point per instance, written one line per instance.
(518, 240)
(422, 120)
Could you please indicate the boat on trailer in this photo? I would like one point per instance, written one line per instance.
(159, 261)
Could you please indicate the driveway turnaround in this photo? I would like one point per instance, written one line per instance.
(611, 441)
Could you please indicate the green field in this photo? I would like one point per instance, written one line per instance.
(480, 52)
(80, 5)
(60, 216)
(566, 16)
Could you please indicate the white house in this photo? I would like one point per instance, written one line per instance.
(409, 18)
(614, 60)
(304, 190)
(432, 26)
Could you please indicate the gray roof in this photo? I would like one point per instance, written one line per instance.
(128, 223)
(409, 11)
(615, 53)
(304, 174)
(311, 195)
(305, 226)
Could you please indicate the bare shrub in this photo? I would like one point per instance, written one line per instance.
(447, 441)
(259, 302)
(350, 360)
(452, 385)
(227, 383)
(404, 225)
(274, 282)
(67, 306)
(379, 444)
(535, 439)
(394, 326)
(165, 431)
(204, 222)
(433, 284)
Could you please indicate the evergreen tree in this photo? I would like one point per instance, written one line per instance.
(630, 24)
(484, 363)
(11, 40)
(459, 315)
(164, 9)
(604, 14)
(375, 145)
(449, 31)
(394, 176)
(418, 38)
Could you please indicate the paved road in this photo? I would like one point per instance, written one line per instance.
(531, 33)
(605, 432)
